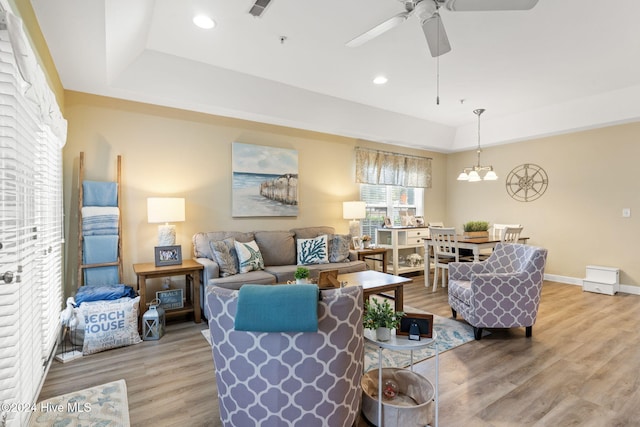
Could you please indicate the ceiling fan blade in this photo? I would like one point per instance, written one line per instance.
(436, 35)
(379, 29)
(258, 8)
(483, 5)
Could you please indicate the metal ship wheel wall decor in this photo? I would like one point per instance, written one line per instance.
(527, 182)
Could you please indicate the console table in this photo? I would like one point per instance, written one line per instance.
(189, 268)
(402, 240)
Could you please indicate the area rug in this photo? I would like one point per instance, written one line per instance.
(105, 405)
(451, 333)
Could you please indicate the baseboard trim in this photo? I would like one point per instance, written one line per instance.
(627, 289)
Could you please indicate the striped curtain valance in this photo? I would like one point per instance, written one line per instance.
(386, 168)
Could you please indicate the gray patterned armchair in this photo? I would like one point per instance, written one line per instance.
(501, 292)
(289, 378)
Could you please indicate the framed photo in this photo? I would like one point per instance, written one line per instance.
(357, 243)
(170, 299)
(424, 322)
(168, 255)
(419, 221)
(387, 222)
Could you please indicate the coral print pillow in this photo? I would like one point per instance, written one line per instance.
(313, 251)
(249, 256)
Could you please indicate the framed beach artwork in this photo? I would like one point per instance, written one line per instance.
(264, 182)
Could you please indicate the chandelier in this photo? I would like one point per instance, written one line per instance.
(472, 174)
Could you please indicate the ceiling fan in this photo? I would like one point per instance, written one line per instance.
(427, 13)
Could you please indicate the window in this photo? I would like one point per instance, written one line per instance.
(31, 221)
(389, 201)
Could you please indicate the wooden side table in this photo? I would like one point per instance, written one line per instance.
(374, 254)
(189, 268)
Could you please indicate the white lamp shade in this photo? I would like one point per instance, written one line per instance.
(354, 210)
(463, 176)
(490, 176)
(474, 176)
(165, 209)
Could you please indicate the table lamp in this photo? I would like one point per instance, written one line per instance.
(165, 210)
(354, 211)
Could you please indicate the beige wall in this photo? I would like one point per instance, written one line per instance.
(579, 218)
(168, 152)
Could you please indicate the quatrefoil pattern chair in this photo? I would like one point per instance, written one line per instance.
(289, 378)
(501, 292)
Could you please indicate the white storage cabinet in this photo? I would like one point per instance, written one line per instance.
(402, 241)
(602, 280)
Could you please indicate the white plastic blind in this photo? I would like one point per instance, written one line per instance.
(30, 221)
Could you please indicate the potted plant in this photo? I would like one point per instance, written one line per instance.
(366, 241)
(381, 317)
(476, 229)
(301, 275)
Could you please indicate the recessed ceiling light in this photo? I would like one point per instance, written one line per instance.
(203, 21)
(380, 80)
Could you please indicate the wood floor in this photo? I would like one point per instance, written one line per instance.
(580, 368)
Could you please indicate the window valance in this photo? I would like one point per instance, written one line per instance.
(386, 168)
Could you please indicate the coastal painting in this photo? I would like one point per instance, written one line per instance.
(265, 181)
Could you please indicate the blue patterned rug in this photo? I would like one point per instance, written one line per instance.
(105, 405)
(451, 333)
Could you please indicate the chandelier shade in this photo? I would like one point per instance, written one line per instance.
(472, 173)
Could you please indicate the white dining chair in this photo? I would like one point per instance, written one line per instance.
(444, 242)
(511, 234)
(497, 229)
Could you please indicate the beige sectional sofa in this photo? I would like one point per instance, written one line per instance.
(278, 249)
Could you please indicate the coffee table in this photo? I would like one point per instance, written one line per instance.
(374, 282)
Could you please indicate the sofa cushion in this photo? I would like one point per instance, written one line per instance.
(311, 232)
(236, 281)
(202, 248)
(313, 251)
(284, 273)
(277, 247)
(249, 256)
(339, 247)
(224, 253)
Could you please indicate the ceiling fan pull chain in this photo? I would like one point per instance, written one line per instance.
(438, 80)
(438, 64)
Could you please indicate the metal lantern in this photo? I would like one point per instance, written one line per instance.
(153, 322)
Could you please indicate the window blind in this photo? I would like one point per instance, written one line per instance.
(32, 133)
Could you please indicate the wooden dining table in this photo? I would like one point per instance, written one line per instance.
(476, 244)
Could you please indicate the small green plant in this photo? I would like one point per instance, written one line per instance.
(366, 238)
(476, 226)
(301, 273)
(380, 315)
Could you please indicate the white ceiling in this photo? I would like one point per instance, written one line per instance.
(562, 66)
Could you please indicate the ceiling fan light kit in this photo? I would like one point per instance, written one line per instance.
(472, 173)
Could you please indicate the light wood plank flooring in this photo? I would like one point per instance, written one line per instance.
(581, 367)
